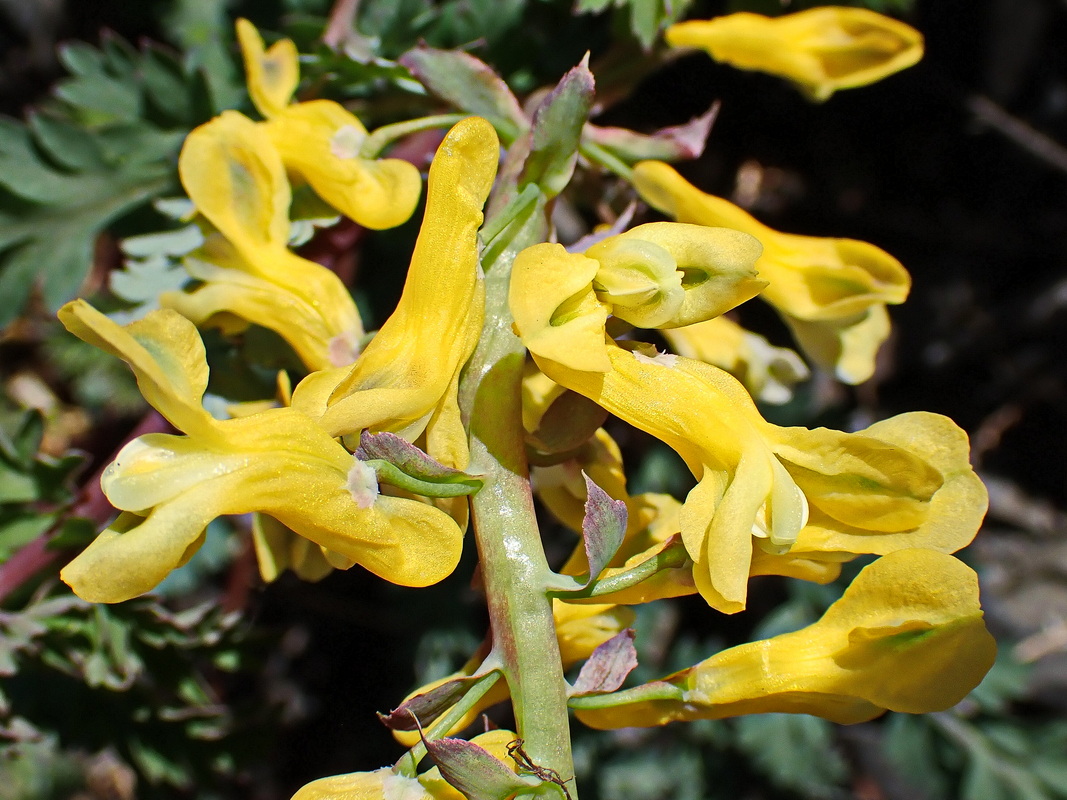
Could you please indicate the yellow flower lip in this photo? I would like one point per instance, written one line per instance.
(907, 635)
(278, 462)
(820, 49)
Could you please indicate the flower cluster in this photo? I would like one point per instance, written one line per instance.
(369, 459)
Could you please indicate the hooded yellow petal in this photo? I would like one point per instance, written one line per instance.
(821, 49)
(278, 461)
(410, 365)
(859, 480)
(235, 178)
(555, 308)
(714, 266)
(946, 520)
(165, 353)
(656, 275)
(272, 74)
(907, 635)
(319, 140)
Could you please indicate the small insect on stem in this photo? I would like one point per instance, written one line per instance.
(519, 756)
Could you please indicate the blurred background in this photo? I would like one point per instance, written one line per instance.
(225, 688)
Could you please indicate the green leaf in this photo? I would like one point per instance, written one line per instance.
(469, 85)
(557, 131)
(17, 530)
(913, 745)
(594, 6)
(51, 245)
(106, 145)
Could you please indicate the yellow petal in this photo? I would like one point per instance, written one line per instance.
(163, 350)
(951, 516)
(859, 480)
(319, 140)
(716, 266)
(278, 549)
(272, 74)
(235, 178)
(133, 555)
(907, 635)
(847, 347)
(581, 629)
(821, 49)
(304, 303)
(555, 309)
(381, 784)
(410, 365)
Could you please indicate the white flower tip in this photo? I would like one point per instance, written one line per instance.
(362, 483)
(344, 348)
(347, 141)
(647, 354)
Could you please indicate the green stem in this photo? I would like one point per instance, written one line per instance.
(374, 144)
(600, 155)
(670, 557)
(513, 564)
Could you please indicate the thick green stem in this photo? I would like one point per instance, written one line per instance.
(513, 565)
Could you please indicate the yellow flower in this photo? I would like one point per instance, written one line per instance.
(237, 182)
(831, 292)
(907, 635)
(385, 784)
(278, 462)
(821, 49)
(810, 499)
(768, 372)
(709, 420)
(320, 140)
(659, 275)
(406, 379)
